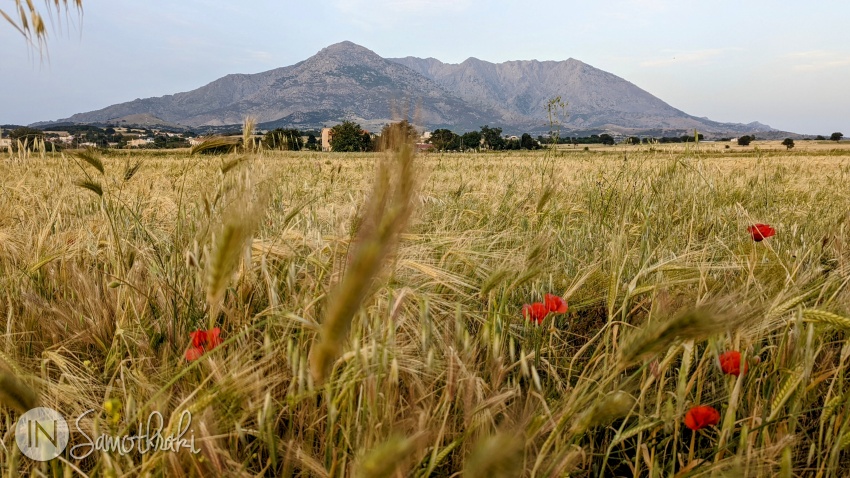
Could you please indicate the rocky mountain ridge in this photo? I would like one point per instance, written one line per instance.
(346, 81)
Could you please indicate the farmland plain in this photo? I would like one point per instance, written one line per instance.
(430, 368)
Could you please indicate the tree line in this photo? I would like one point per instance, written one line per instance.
(81, 135)
(487, 138)
(349, 136)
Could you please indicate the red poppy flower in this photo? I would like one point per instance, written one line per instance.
(555, 304)
(535, 312)
(203, 341)
(199, 338)
(213, 339)
(194, 353)
(730, 363)
(701, 416)
(761, 231)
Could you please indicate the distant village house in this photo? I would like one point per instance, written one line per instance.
(327, 135)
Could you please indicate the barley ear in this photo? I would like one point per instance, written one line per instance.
(16, 394)
(89, 157)
(387, 212)
(242, 219)
(92, 186)
(496, 456)
(827, 318)
(386, 459)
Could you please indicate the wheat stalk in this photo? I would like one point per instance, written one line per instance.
(388, 210)
(823, 317)
(786, 390)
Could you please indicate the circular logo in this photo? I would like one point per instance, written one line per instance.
(42, 434)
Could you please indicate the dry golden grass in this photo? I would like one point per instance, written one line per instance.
(360, 343)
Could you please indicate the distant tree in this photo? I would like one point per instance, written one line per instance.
(632, 140)
(788, 143)
(744, 140)
(444, 140)
(527, 142)
(160, 141)
(395, 134)
(691, 138)
(820, 138)
(836, 137)
(492, 137)
(471, 140)
(605, 138)
(349, 137)
(283, 139)
(28, 137)
(312, 144)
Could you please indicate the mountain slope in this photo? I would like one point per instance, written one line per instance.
(341, 81)
(347, 81)
(521, 91)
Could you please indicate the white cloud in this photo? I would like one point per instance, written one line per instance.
(402, 7)
(695, 56)
(817, 60)
(654, 5)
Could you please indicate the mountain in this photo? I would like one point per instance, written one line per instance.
(342, 81)
(348, 81)
(597, 100)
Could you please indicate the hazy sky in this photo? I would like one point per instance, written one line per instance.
(783, 63)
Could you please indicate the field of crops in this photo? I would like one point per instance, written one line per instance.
(334, 315)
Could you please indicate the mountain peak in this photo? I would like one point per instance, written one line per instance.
(346, 47)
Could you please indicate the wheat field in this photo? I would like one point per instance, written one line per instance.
(370, 310)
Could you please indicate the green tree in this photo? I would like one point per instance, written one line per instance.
(836, 137)
(160, 141)
(527, 142)
(820, 138)
(745, 140)
(349, 137)
(492, 137)
(788, 143)
(444, 140)
(632, 140)
(605, 138)
(471, 140)
(312, 144)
